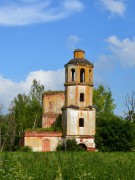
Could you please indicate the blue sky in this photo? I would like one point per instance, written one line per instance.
(37, 37)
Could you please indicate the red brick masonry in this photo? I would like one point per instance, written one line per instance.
(43, 134)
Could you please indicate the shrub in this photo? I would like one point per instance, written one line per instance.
(25, 149)
(71, 145)
(60, 147)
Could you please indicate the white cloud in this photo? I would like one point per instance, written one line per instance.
(117, 7)
(98, 80)
(123, 50)
(73, 40)
(74, 5)
(103, 64)
(22, 12)
(52, 80)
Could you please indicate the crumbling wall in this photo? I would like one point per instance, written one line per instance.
(53, 101)
(42, 141)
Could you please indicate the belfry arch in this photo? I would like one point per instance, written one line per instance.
(73, 74)
(82, 75)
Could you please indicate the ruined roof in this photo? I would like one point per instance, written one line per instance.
(79, 58)
(79, 50)
(49, 92)
(79, 61)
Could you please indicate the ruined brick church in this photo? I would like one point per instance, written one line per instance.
(76, 106)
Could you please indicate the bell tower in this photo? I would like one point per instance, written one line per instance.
(78, 114)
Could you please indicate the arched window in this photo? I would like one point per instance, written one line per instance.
(89, 75)
(81, 122)
(82, 75)
(81, 97)
(66, 75)
(73, 74)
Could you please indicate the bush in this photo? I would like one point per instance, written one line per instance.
(71, 145)
(60, 147)
(25, 149)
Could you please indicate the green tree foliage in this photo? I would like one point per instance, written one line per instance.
(27, 109)
(36, 92)
(35, 103)
(3, 131)
(25, 149)
(71, 145)
(7, 126)
(7, 132)
(57, 125)
(0, 126)
(20, 109)
(130, 107)
(103, 101)
(114, 134)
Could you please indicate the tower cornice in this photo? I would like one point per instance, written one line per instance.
(77, 63)
(81, 84)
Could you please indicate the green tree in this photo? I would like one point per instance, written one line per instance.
(114, 134)
(27, 109)
(4, 129)
(7, 132)
(130, 107)
(35, 105)
(57, 125)
(20, 109)
(0, 126)
(103, 101)
(36, 91)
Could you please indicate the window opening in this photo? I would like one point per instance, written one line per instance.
(82, 97)
(89, 75)
(81, 122)
(82, 75)
(50, 106)
(73, 74)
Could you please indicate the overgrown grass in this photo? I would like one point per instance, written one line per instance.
(52, 92)
(67, 166)
(49, 129)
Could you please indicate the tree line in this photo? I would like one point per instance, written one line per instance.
(113, 133)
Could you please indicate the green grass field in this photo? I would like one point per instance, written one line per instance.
(67, 166)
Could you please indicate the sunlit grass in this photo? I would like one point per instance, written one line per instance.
(67, 166)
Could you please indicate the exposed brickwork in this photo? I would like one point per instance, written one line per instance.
(91, 149)
(48, 119)
(43, 134)
(52, 103)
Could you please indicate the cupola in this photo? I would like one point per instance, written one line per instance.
(78, 53)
